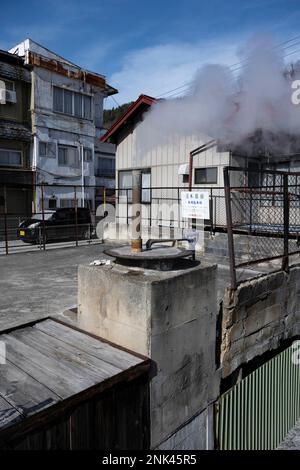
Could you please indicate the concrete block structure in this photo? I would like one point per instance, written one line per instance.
(169, 317)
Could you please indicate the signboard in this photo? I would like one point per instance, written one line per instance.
(195, 204)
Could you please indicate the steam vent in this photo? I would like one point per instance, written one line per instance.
(159, 303)
(159, 257)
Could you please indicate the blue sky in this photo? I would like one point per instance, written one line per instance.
(148, 46)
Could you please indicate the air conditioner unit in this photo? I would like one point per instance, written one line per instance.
(2, 96)
(7, 96)
(11, 96)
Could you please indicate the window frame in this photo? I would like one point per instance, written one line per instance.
(11, 164)
(206, 168)
(67, 147)
(47, 143)
(104, 172)
(83, 98)
(84, 154)
(10, 82)
(128, 191)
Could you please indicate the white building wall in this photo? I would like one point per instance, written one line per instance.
(164, 162)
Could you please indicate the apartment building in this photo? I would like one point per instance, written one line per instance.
(67, 118)
(15, 135)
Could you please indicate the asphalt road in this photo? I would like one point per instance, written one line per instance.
(37, 284)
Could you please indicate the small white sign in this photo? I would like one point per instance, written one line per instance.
(195, 204)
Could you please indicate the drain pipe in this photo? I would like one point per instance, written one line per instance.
(194, 152)
(136, 239)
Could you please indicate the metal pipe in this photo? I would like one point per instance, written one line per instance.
(5, 220)
(136, 239)
(194, 152)
(190, 170)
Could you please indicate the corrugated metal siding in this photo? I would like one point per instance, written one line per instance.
(258, 412)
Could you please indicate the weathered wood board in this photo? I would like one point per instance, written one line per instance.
(51, 368)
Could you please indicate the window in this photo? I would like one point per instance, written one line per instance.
(87, 154)
(10, 157)
(68, 156)
(78, 104)
(125, 183)
(64, 203)
(146, 183)
(52, 203)
(9, 85)
(47, 149)
(106, 167)
(206, 175)
(68, 105)
(87, 108)
(58, 99)
(72, 103)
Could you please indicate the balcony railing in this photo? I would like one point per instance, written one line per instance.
(105, 173)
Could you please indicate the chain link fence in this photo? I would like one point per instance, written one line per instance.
(264, 207)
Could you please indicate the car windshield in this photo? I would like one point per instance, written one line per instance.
(39, 216)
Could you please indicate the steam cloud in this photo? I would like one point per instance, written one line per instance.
(230, 109)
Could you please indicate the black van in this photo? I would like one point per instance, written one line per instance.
(57, 225)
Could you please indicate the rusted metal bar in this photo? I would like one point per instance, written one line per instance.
(178, 205)
(286, 220)
(127, 211)
(43, 218)
(76, 216)
(136, 239)
(5, 220)
(250, 214)
(229, 228)
(194, 152)
(190, 170)
(211, 203)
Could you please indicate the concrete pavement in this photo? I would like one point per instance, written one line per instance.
(36, 285)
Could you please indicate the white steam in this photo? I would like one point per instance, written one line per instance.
(229, 109)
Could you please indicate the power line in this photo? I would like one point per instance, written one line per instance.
(235, 67)
(114, 99)
(174, 89)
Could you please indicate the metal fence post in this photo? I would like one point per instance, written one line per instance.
(43, 219)
(127, 218)
(178, 202)
(286, 220)
(250, 213)
(150, 207)
(76, 216)
(5, 220)
(229, 228)
(211, 205)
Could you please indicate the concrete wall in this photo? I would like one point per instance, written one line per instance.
(258, 315)
(196, 434)
(168, 316)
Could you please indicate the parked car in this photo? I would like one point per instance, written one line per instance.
(59, 224)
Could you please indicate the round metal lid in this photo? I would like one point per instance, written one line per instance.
(157, 252)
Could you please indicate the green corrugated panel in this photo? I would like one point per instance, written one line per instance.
(258, 412)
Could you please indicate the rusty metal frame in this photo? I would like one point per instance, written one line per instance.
(283, 192)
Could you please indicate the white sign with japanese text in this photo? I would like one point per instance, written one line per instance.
(195, 204)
